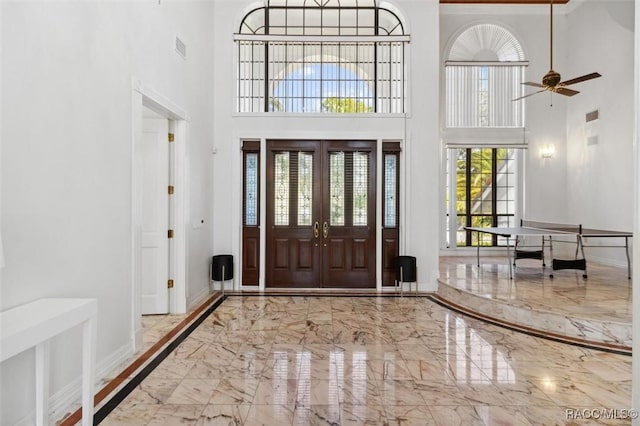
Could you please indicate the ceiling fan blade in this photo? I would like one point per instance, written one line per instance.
(565, 91)
(581, 79)
(530, 94)
(529, 83)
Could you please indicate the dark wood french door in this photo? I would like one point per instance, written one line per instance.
(321, 214)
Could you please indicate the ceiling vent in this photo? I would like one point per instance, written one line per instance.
(181, 48)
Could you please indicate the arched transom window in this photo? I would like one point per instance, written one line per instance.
(321, 56)
(484, 72)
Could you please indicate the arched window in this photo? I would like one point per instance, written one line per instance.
(484, 72)
(321, 56)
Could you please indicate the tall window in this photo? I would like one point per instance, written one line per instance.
(484, 72)
(321, 56)
(483, 129)
(485, 191)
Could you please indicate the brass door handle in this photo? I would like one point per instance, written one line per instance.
(316, 229)
(325, 230)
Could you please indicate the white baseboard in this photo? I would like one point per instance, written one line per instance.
(198, 298)
(67, 399)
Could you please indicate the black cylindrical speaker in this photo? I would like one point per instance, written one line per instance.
(409, 269)
(219, 261)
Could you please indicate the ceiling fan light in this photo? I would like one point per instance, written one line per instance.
(552, 78)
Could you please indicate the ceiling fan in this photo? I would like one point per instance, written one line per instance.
(551, 81)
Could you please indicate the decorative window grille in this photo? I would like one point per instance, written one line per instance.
(336, 189)
(305, 188)
(281, 185)
(251, 189)
(390, 214)
(360, 188)
(316, 56)
(484, 73)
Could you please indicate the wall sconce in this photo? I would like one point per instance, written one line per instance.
(547, 151)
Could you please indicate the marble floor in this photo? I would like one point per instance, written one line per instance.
(605, 294)
(596, 311)
(304, 360)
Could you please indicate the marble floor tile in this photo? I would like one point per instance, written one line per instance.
(131, 414)
(173, 415)
(223, 415)
(456, 415)
(377, 360)
(269, 415)
(193, 391)
(403, 415)
(317, 415)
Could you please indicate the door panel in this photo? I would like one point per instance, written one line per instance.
(350, 210)
(155, 216)
(293, 194)
(321, 214)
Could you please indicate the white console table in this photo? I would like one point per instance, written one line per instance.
(33, 325)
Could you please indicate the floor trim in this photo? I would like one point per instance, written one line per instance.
(151, 356)
(588, 344)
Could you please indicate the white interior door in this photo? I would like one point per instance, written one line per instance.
(155, 216)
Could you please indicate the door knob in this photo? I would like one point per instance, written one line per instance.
(316, 229)
(325, 230)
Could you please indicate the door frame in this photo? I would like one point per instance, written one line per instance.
(395, 133)
(143, 95)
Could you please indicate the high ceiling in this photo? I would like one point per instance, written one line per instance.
(502, 1)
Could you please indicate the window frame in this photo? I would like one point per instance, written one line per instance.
(258, 78)
(451, 175)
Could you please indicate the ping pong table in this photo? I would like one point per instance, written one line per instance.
(548, 230)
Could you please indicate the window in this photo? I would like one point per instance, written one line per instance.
(339, 56)
(484, 73)
(390, 211)
(484, 133)
(251, 171)
(485, 192)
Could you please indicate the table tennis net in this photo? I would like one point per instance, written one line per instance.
(558, 227)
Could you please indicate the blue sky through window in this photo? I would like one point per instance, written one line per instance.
(305, 88)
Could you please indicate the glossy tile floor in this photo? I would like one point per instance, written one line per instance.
(369, 360)
(604, 295)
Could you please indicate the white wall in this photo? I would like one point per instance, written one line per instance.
(600, 176)
(421, 150)
(67, 71)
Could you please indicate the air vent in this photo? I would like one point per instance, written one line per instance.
(591, 116)
(181, 48)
